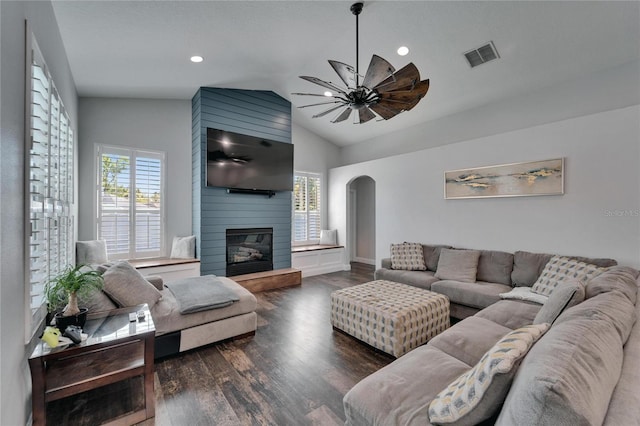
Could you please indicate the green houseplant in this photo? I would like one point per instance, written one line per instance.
(65, 288)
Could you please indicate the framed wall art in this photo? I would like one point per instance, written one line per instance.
(507, 180)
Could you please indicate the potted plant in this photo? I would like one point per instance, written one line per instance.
(65, 288)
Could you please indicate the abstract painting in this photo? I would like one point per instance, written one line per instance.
(507, 180)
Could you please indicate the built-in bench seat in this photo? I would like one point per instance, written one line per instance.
(167, 268)
(318, 259)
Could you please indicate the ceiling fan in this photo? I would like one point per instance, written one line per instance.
(383, 91)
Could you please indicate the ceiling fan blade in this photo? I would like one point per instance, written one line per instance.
(346, 72)
(323, 113)
(407, 96)
(310, 94)
(343, 115)
(322, 103)
(405, 77)
(323, 83)
(365, 114)
(384, 111)
(379, 70)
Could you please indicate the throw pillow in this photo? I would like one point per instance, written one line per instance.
(328, 237)
(560, 269)
(407, 256)
(477, 394)
(562, 298)
(525, 293)
(458, 265)
(91, 252)
(183, 247)
(127, 287)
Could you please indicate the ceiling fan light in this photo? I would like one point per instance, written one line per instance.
(403, 50)
(328, 94)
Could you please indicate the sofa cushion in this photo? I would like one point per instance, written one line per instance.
(561, 298)
(400, 393)
(495, 267)
(458, 265)
(477, 295)
(91, 252)
(421, 279)
(183, 247)
(612, 307)
(568, 376)
(620, 278)
(432, 255)
(469, 339)
(561, 269)
(407, 256)
(96, 301)
(527, 267)
(477, 394)
(510, 313)
(127, 287)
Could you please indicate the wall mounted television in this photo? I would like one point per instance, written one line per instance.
(242, 162)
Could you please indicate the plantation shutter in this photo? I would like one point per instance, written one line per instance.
(131, 202)
(50, 180)
(306, 208)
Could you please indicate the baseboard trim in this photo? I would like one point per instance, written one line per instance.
(365, 260)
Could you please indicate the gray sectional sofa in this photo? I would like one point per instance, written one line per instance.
(584, 371)
(497, 272)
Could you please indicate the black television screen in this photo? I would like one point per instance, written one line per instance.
(238, 161)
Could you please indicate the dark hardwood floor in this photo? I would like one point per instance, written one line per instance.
(294, 371)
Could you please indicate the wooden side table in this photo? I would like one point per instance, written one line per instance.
(116, 349)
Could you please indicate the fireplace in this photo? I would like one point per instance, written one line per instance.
(249, 250)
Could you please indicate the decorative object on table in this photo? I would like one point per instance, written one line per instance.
(507, 180)
(65, 288)
(384, 92)
(51, 336)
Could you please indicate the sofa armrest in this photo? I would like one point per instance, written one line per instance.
(156, 281)
(386, 263)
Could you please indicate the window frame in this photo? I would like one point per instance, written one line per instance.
(308, 241)
(133, 153)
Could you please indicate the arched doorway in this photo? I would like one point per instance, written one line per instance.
(361, 220)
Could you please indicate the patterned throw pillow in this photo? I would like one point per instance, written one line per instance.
(408, 256)
(560, 269)
(478, 393)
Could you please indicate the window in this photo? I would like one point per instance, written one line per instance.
(306, 208)
(49, 185)
(131, 202)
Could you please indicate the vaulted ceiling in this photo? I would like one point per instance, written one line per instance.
(141, 49)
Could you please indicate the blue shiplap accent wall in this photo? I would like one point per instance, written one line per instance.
(250, 112)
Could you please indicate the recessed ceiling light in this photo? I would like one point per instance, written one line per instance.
(403, 50)
(328, 94)
(197, 59)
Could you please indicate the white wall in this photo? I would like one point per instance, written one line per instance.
(609, 89)
(165, 125)
(155, 124)
(311, 153)
(365, 250)
(602, 182)
(15, 383)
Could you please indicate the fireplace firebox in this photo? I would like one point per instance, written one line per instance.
(249, 250)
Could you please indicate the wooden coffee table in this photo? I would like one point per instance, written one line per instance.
(115, 350)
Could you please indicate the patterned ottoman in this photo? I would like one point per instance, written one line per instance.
(390, 316)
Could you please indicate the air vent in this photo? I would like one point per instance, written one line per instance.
(481, 55)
